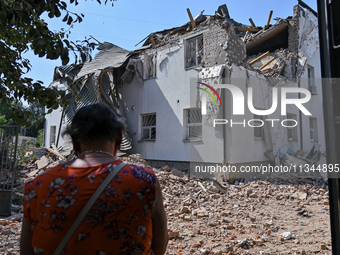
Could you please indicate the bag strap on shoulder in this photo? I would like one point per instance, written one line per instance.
(87, 208)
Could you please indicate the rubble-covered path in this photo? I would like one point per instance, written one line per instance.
(208, 217)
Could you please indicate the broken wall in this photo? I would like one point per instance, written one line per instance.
(222, 46)
(169, 95)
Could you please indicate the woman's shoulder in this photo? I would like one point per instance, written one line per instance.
(140, 173)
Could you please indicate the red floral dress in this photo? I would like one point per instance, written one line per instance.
(118, 223)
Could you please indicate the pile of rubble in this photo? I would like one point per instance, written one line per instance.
(273, 216)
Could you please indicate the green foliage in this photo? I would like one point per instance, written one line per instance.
(3, 120)
(23, 29)
(40, 138)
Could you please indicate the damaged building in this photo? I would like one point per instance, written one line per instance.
(155, 90)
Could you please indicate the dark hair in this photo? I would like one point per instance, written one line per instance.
(94, 123)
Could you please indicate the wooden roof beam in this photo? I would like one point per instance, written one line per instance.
(193, 24)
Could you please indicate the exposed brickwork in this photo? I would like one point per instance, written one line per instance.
(293, 37)
(222, 46)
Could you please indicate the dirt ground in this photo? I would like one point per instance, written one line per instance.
(209, 217)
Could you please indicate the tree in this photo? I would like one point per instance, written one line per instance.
(23, 29)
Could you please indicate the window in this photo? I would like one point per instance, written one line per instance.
(151, 66)
(148, 127)
(313, 126)
(291, 131)
(194, 51)
(52, 134)
(311, 80)
(194, 124)
(258, 130)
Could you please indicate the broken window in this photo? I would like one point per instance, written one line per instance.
(291, 131)
(194, 51)
(194, 124)
(311, 80)
(148, 127)
(52, 134)
(258, 129)
(313, 126)
(151, 66)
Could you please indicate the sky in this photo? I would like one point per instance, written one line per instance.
(130, 21)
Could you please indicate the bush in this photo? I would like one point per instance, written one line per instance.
(40, 138)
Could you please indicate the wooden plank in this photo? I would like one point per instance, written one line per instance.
(152, 40)
(159, 39)
(55, 153)
(201, 185)
(193, 24)
(259, 58)
(269, 18)
(251, 29)
(266, 64)
(252, 22)
(268, 35)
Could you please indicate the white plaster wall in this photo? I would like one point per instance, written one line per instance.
(315, 105)
(53, 119)
(244, 147)
(309, 48)
(168, 95)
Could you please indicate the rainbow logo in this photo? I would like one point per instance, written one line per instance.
(209, 93)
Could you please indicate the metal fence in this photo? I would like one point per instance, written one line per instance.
(8, 151)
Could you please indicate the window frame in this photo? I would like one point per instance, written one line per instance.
(258, 127)
(294, 129)
(53, 134)
(147, 64)
(189, 123)
(149, 127)
(313, 129)
(311, 76)
(198, 62)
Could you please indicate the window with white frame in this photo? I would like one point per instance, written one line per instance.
(291, 131)
(313, 126)
(148, 127)
(311, 76)
(311, 80)
(53, 130)
(258, 127)
(150, 66)
(194, 51)
(193, 124)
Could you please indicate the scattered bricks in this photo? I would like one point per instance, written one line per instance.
(281, 239)
(323, 247)
(6, 232)
(187, 218)
(253, 219)
(269, 231)
(326, 202)
(226, 213)
(253, 195)
(173, 234)
(3, 222)
(230, 227)
(258, 242)
(184, 209)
